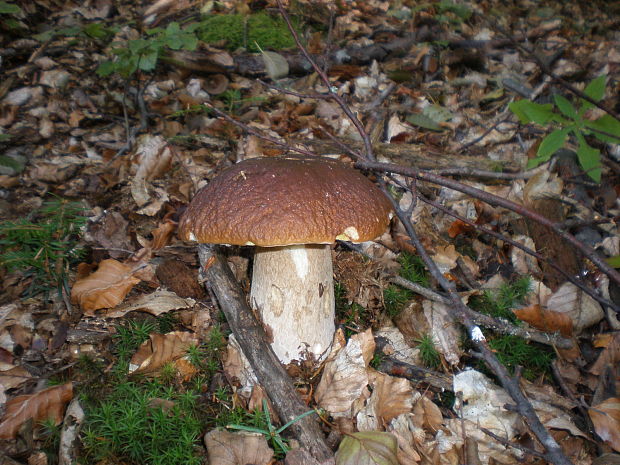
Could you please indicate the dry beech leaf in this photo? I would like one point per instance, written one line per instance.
(240, 448)
(159, 350)
(390, 398)
(446, 258)
(47, 404)
(428, 414)
(583, 310)
(344, 378)
(444, 330)
(546, 320)
(12, 376)
(276, 65)
(156, 303)
(368, 448)
(105, 288)
(162, 234)
(409, 437)
(606, 419)
(153, 158)
(610, 342)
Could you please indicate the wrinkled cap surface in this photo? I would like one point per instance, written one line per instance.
(283, 201)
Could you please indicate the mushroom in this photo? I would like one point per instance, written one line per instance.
(291, 208)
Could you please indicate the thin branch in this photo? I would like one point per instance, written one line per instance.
(554, 452)
(525, 249)
(495, 324)
(497, 201)
(343, 105)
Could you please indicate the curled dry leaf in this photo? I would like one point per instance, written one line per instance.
(240, 448)
(390, 398)
(368, 448)
(46, 404)
(155, 303)
(606, 419)
(610, 342)
(582, 309)
(216, 84)
(152, 159)
(159, 350)
(162, 234)
(344, 378)
(12, 376)
(481, 404)
(444, 330)
(546, 320)
(105, 288)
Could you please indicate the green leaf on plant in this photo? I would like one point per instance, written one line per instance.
(368, 448)
(552, 143)
(423, 121)
(589, 158)
(528, 111)
(614, 261)
(565, 107)
(9, 9)
(106, 68)
(609, 125)
(596, 89)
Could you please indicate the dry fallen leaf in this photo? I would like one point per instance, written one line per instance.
(159, 350)
(606, 419)
(610, 342)
(368, 448)
(240, 448)
(156, 303)
(12, 376)
(546, 320)
(344, 378)
(390, 398)
(583, 310)
(444, 330)
(46, 404)
(105, 288)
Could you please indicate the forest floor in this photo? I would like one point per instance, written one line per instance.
(495, 127)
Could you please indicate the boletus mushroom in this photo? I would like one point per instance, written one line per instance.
(290, 208)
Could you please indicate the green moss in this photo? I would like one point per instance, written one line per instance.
(513, 351)
(269, 32)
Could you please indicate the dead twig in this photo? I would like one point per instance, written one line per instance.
(497, 201)
(495, 324)
(600, 299)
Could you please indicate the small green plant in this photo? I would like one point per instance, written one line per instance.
(395, 297)
(271, 433)
(97, 31)
(500, 302)
(570, 121)
(9, 15)
(146, 423)
(143, 54)
(513, 351)
(50, 435)
(44, 245)
(128, 337)
(428, 352)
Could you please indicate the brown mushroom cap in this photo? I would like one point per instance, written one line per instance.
(283, 201)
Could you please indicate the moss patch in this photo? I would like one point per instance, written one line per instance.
(269, 32)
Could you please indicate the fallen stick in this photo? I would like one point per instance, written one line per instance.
(253, 341)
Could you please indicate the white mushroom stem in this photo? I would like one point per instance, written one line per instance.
(292, 288)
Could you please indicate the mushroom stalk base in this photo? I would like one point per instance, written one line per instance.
(292, 288)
